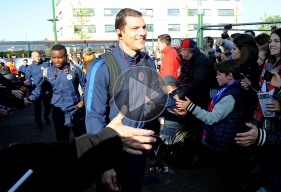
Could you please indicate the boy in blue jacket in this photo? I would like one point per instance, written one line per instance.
(224, 118)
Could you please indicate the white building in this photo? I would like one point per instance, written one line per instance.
(177, 18)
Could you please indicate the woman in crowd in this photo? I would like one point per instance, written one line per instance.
(245, 51)
(274, 60)
(262, 39)
(263, 53)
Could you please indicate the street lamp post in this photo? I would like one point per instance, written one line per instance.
(54, 22)
(200, 23)
(54, 29)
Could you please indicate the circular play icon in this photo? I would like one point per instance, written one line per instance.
(138, 89)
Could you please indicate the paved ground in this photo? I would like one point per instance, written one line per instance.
(20, 127)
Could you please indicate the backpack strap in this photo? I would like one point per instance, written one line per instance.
(114, 71)
(149, 72)
(72, 68)
(45, 71)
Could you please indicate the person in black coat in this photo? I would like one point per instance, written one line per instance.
(71, 166)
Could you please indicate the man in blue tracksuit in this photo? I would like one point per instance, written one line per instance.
(131, 30)
(62, 79)
(34, 74)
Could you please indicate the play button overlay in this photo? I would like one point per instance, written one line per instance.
(138, 89)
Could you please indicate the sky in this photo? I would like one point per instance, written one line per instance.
(23, 20)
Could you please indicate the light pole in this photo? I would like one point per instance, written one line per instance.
(54, 29)
(152, 34)
(54, 22)
(200, 23)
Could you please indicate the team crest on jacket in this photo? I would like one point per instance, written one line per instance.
(69, 76)
(141, 76)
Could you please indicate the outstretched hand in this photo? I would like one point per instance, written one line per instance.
(247, 138)
(133, 139)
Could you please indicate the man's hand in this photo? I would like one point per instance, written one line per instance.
(247, 138)
(17, 93)
(133, 138)
(26, 102)
(3, 112)
(80, 104)
(220, 42)
(108, 178)
(23, 88)
(182, 105)
(26, 83)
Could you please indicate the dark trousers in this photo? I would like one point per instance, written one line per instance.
(37, 106)
(63, 123)
(129, 174)
(274, 159)
(232, 169)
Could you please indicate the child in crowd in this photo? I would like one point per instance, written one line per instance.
(223, 120)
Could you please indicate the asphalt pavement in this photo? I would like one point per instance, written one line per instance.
(20, 127)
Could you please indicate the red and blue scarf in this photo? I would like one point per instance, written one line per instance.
(212, 105)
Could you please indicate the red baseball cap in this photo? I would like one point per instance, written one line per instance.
(187, 43)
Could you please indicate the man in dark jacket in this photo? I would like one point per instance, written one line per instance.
(71, 166)
(199, 73)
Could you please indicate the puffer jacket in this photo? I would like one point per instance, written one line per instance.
(220, 136)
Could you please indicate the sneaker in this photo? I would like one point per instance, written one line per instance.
(47, 120)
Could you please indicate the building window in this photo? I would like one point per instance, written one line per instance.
(225, 12)
(109, 28)
(149, 27)
(174, 12)
(174, 27)
(146, 12)
(84, 28)
(92, 28)
(193, 12)
(83, 12)
(111, 12)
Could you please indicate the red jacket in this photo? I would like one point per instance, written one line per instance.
(170, 63)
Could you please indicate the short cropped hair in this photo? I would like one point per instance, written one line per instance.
(88, 51)
(252, 32)
(210, 40)
(165, 38)
(59, 47)
(24, 60)
(120, 20)
(229, 66)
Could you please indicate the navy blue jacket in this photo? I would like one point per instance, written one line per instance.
(23, 69)
(34, 74)
(97, 95)
(220, 136)
(64, 87)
